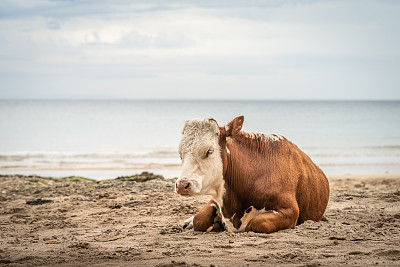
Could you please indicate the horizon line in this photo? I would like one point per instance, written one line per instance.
(202, 99)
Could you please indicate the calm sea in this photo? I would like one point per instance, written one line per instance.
(105, 139)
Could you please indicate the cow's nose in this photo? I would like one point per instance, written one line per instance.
(183, 186)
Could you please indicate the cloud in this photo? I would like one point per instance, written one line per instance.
(53, 25)
(143, 49)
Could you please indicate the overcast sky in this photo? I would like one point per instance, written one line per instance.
(200, 49)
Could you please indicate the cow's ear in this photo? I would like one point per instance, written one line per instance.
(234, 127)
(212, 120)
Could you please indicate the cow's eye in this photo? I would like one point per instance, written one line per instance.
(209, 152)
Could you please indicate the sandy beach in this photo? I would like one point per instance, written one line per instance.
(136, 222)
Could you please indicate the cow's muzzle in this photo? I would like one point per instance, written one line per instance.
(184, 187)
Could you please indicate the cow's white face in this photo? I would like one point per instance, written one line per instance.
(201, 159)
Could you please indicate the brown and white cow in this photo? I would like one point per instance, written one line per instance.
(258, 182)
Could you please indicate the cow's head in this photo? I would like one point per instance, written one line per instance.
(203, 153)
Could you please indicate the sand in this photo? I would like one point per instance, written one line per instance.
(55, 222)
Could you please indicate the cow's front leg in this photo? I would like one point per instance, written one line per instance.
(204, 220)
(274, 220)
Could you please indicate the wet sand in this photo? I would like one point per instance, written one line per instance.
(62, 222)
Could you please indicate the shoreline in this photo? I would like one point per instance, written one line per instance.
(366, 175)
(96, 174)
(168, 173)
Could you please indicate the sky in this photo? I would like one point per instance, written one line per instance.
(236, 49)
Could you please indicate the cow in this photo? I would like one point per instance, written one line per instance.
(257, 182)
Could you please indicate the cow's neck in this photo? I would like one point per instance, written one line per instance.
(236, 188)
(229, 197)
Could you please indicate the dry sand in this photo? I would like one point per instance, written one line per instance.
(54, 222)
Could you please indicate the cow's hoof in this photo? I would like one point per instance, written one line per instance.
(224, 226)
(219, 227)
(188, 224)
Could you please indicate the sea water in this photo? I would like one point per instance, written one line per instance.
(105, 139)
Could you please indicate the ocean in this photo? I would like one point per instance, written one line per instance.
(104, 139)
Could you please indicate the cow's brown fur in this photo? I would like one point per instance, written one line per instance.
(205, 218)
(263, 173)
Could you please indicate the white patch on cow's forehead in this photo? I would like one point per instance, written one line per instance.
(200, 126)
(267, 137)
(196, 132)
